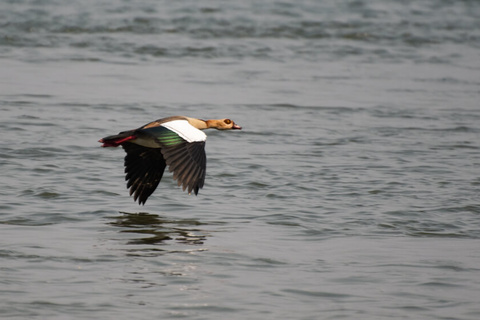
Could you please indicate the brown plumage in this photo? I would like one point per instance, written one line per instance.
(176, 142)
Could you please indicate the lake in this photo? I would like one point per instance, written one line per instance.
(352, 191)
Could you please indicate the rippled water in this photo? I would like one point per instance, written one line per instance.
(352, 191)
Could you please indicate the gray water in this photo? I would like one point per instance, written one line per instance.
(352, 191)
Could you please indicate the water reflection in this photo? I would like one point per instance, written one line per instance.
(154, 229)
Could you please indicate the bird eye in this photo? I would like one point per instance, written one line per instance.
(228, 121)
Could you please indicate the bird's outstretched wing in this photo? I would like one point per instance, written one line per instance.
(144, 169)
(144, 166)
(188, 163)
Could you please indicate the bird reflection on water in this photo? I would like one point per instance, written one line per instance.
(157, 230)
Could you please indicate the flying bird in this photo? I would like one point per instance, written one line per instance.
(176, 142)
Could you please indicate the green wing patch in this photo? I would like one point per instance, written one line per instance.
(164, 136)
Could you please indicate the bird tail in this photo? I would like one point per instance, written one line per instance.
(118, 139)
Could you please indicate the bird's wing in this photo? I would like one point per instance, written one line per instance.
(183, 148)
(144, 169)
(188, 162)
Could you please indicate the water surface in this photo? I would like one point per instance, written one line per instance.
(351, 192)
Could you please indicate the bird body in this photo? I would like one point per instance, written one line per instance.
(176, 142)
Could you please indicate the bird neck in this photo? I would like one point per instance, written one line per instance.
(205, 124)
(212, 123)
(198, 123)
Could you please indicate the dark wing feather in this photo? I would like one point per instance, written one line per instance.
(188, 163)
(144, 169)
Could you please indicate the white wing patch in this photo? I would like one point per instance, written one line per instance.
(185, 130)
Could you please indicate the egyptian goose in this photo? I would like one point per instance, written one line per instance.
(174, 141)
